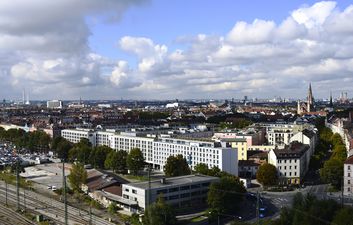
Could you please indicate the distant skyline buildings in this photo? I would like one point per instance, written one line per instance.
(185, 49)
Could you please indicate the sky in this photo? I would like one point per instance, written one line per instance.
(185, 49)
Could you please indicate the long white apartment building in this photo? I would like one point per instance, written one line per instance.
(156, 150)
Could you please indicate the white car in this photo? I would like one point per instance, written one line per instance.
(49, 187)
(53, 188)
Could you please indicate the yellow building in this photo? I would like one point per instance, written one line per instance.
(241, 145)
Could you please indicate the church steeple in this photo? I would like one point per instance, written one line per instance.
(331, 102)
(310, 99)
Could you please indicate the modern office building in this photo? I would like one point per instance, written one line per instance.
(156, 149)
(176, 191)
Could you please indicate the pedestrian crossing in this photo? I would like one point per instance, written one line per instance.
(279, 201)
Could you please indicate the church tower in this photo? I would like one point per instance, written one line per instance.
(331, 102)
(310, 100)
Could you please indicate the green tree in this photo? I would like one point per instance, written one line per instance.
(202, 168)
(223, 196)
(135, 161)
(98, 156)
(176, 166)
(344, 216)
(62, 149)
(77, 176)
(267, 174)
(159, 213)
(113, 208)
(332, 172)
(116, 161)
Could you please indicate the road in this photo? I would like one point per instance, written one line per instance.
(48, 207)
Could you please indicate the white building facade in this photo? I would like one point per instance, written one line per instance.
(348, 177)
(291, 162)
(157, 150)
(176, 191)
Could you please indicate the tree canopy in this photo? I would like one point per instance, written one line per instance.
(176, 166)
(267, 174)
(116, 161)
(159, 213)
(223, 196)
(77, 176)
(135, 161)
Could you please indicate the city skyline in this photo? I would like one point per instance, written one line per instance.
(180, 49)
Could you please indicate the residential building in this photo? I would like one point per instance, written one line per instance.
(307, 137)
(241, 145)
(291, 162)
(348, 177)
(176, 191)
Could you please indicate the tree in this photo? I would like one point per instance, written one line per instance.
(62, 149)
(332, 172)
(223, 195)
(267, 174)
(98, 156)
(343, 216)
(135, 161)
(113, 208)
(202, 168)
(176, 166)
(116, 161)
(159, 213)
(77, 176)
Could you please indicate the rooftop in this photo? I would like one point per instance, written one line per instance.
(294, 150)
(174, 181)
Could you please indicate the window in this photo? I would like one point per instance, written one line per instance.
(173, 190)
(349, 167)
(349, 174)
(183, 188)
(126, 189)
(134, 191)
(185, 195)
(162, 191)
(348, 189)
(195, 186)
(349, 181)
(173, 197)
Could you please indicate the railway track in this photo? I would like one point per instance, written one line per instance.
(10, 217)
(50, 208)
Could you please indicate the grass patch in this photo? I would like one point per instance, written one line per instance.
(11, 179)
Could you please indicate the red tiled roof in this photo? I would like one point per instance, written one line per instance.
(349, 160)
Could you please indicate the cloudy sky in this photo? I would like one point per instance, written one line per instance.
(157, 49)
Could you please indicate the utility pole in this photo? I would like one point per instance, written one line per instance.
(257, 208)
(64, 193)
(149, 186)
(6, 192)
(342, 188)
(17, 186)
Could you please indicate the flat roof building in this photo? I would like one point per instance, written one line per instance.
(176, 191)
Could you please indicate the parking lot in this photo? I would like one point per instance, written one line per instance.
(45, 175)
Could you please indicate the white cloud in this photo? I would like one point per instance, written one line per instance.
(262, 58)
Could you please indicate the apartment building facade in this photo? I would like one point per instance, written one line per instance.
(156, 150)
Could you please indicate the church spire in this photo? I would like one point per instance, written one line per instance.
(331, 102)
(310, 99)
